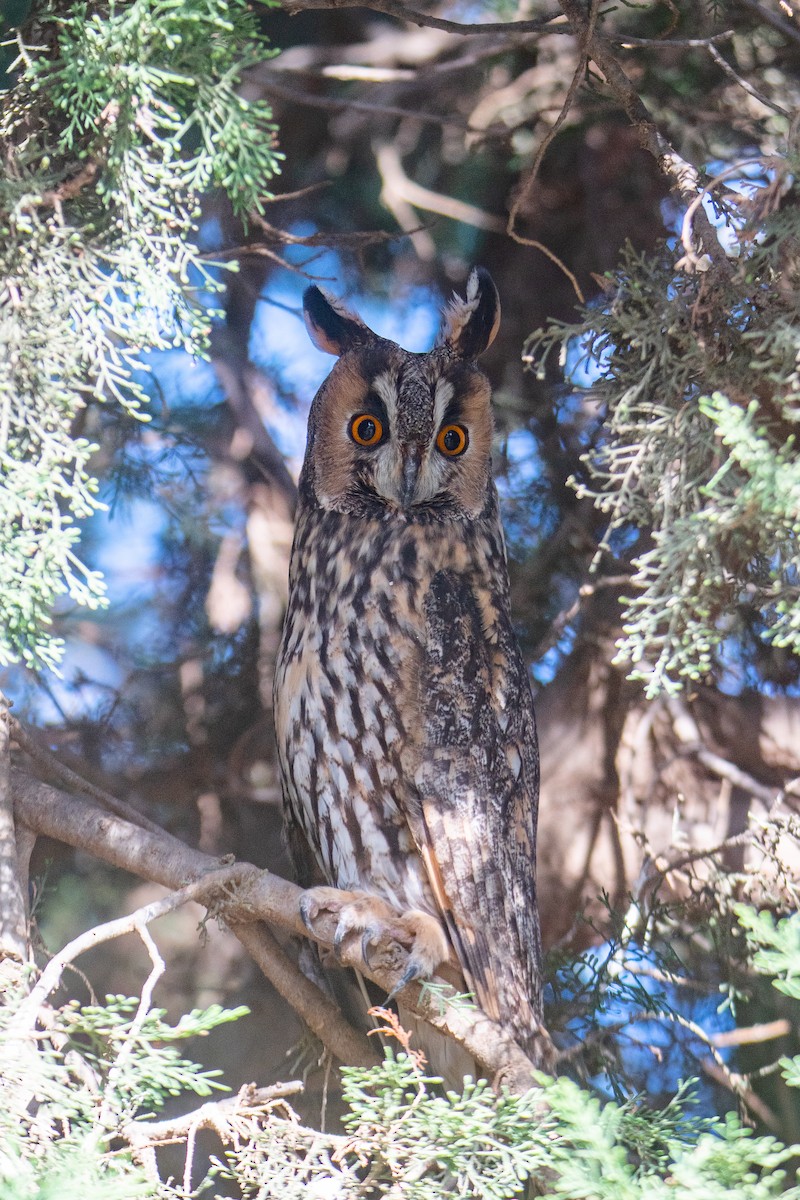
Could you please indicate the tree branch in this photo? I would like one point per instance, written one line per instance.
(684, 177)
(688, 734)
(339, 103)
(13, 923)
(414, 17)
(261, 895)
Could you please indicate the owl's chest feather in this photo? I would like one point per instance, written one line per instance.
(350, 705)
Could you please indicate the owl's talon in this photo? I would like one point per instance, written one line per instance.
(342, 930)
(414, 970)
(370, 935)
(309, 911)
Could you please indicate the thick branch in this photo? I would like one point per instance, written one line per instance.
(163, 859)
(261, 895)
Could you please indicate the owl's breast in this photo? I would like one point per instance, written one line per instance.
(347, 702)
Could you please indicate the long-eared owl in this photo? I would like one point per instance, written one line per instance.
(403, 708)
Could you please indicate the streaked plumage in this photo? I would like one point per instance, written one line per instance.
(403, 710)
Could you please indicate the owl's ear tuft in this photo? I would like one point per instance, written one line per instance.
(470, 325)
(331, 326)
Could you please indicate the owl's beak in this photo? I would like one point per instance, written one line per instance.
(412, 458)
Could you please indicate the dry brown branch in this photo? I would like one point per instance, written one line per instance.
(752, 1034)
(413, 17)
(339, 103)
(75, 782)
(683, 176)
(688, 734)
(354, 241)
(263, 896)
(13, 923)
(726, 67)
(746, 1094)
(524, 191)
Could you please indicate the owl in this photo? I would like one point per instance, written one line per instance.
(403, 710)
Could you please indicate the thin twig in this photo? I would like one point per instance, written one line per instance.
(725, 66)
(339, 103)
(624, 41)
(24, 1020)
(526, 188)
(158, 967)
(414, 17)
(214, 1114)
(688, 734)
(688, 217)
(683, 175)
(774, 19)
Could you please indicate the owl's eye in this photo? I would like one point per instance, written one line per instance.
(366, 430)
(452, 440)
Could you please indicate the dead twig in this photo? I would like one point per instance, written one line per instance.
(339, 103)
(526, 187)
(682, 174)
(413, 16)
(746, 86)
(24, 1020)
(688, 734)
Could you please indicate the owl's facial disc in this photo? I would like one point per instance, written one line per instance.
(433, 454)
(402, 432)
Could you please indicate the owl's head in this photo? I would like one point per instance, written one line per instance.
(394, 431)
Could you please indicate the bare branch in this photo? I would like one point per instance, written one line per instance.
(527, 185)
(688, 734)
(26, 1016)
(414, 17)
(725, 66)
(219, 1115)
(75, 782)
(261, 895)
(685, 178)
(753, 1033)
(774, 19)
(13, 923)
(339, 103)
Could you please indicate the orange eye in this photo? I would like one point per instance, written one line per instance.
(366, 430)
(452, 440)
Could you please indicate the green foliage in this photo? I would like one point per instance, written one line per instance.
(68, 1101)
(697, 465)
(406, 1139)
(119, 120)
(776, 952)
(74, 1101)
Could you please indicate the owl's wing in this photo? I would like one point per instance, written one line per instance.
(472, 806)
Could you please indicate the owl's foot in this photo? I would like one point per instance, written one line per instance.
(377, 921)
(425, 938)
